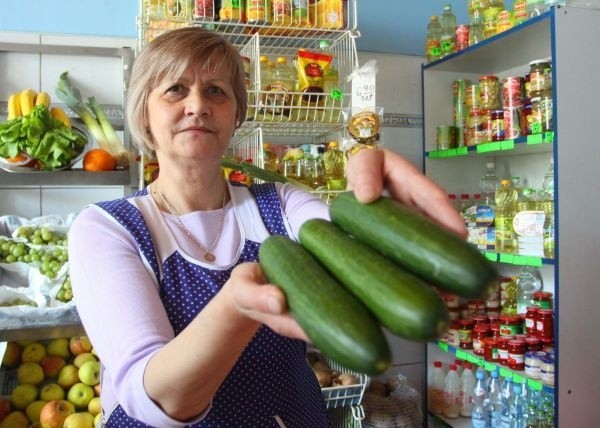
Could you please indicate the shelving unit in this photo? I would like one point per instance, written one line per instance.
(562, 34)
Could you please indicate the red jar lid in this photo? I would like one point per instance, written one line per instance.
(454, 326)
(466, 322)
(490, 341)
(489, 77)
(510, 318)
(480, 319)
(505, 339)
(516, 342)
(532, 308)
(493, 318)
(532, 340)
(546, 312)
(542, 295)
(481, 327)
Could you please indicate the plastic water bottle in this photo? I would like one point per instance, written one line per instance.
(433, 48)
(448, 23)
(494, 399)
(479, 417)
(488, 185)
(437, 379)
(467, 384)
(451, 393)
(506, 397)
(517, 407)
(529, 281)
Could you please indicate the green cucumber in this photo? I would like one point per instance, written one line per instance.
(334, 320)
(416, 242)
(403, 303)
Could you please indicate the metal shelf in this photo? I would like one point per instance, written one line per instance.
(74, 177)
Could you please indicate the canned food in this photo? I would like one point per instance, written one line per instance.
(538, 71)
(473, 97)
(489, 92)
(446, 137)
(459, 89)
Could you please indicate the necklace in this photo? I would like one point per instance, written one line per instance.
(208, 254)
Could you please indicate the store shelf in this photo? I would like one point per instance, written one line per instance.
(74, 177)
(65, 326)
(518, 259)
(439, 421)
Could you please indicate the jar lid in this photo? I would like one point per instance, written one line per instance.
(543, 61)
(466, 322)
(481, 327)
(532, 340)
(516, 342)
(534, 354)
(490, 341)
(532, 308)
(488, 77)
(542, 294)
(506, 317)
(546, 311)
(505, 339)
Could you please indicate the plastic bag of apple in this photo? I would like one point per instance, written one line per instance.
(50, 384)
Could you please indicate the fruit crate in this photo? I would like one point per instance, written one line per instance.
(8, 381)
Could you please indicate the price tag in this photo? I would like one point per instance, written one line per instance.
(363, 90)
(471, 358)
(506, 258)
(518, 378)
(534, 139)
(520, 260)
(493, 257)
(434, 154)
(489, 367)
(536, 128)
(337, 94)
(443, 346)
(507, 145)
(535, 385)
(505, 373)
(549, 136)
(462, 151)
(460, 354)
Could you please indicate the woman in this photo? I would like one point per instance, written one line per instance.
(166, 280)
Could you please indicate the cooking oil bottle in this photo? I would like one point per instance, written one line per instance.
(335, 167)
(506, 205)
(270, 158)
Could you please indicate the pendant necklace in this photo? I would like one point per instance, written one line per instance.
(208, 254)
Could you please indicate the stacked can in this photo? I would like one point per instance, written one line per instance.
(513, 101)
(459, 92)
(474, 127)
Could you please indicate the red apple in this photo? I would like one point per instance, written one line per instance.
(79, 345)
(52, 364)
(12, 355)
(54, 413)
(4, 408)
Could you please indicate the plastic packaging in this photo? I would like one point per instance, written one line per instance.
(479, 417)
(467, 383)
(451, 393)
(433, 48)
(448, 24)
(436, 384)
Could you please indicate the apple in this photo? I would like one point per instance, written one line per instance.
(83, 358)
(97, 419)
(79, 345)
(68, 376)
(4, 408)
(54, 413)
(94, 406)
(80, 395)
(79, 420)
(52, 391)
(31, 373)
(33, 353)
(59, 348)
(97, 389)
(34, 409)
(52, 364)
(23, 395)
(16, 419)
(12, 355)
(89, 373)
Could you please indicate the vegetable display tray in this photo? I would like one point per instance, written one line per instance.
(344, 396)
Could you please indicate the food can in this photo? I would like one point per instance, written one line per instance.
(446, 137)
(473, 96)
(462, 37)
(459, 89)
(460, 114)
(512, 92)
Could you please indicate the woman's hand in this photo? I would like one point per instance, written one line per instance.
(372, 171)
(253, 297)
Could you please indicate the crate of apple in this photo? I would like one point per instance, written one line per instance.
(54, 383)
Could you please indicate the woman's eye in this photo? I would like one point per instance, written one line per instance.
(175, 89)
(215, 90)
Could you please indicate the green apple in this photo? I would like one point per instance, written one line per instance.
(97, 419)
(68, 376)
(83, 358)
(80, 395)
(52, 364)
(79, 345)
(23, 395)
(95, 406)
(89, 373)
(34, 409)
(33, 352)
(31, 373)
(79, 420)
(54, 413)
(52, 391)
(16, 419)
(59, 348)
(12, 355)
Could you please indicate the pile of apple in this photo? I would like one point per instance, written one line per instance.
(58, 384)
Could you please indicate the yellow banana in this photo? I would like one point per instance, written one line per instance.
(42, 98)
(27, 98)
(14, 106)
(60, 114)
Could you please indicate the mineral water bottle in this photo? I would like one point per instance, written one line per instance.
(488, 185)
(436, 382)
(448, 23)
(479, 417)
(335, 167)
(476, 28)
(467, 384)
(494, 399)
(517, 407)
(451, 393)
(506, 201)
(433, 48)
(506, 396)
(529, 281)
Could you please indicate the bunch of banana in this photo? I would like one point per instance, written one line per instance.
(22, 103)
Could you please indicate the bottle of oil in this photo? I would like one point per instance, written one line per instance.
(335, 167)
(433, 48)
(547, 202)
(506, 205)
(270, 158)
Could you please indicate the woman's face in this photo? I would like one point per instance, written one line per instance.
(193, 117)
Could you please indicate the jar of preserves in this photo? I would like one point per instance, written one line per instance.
(480, 319)
(545, 324)
(453, 337)
(510, 325)
(490, 349)
(512, 91)
(476, 127)
(480, 333)
(533, 344)
(476, 307)
(465, 333)
(495, 329)
(530, 320)
(489, 92)
(454, 314)
(543, 299)
(537, 76)
(503, 349)
(534, 120)
(451, 300)
(516, 354)
(497, 125)
(473, 96)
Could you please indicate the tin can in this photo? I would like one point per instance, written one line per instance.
(459, 89)
(512, 92)
(446, 137)
(462, 37)
(460, 113)
(473, 96)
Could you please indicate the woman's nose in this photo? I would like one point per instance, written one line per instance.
(196, 104)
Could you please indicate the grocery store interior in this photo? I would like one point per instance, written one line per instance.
(508, 109)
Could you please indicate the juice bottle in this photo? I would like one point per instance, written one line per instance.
(335, 167)
(506, 205)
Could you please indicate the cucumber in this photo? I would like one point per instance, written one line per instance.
(334, 320)
(416, 242)
(403, 303)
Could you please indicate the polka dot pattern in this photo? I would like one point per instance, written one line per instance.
(272, 377)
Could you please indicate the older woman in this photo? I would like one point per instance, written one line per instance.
(166, 280)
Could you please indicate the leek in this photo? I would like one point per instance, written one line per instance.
(117, 149)
(260, 173)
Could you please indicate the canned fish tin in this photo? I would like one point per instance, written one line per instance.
(446, 137)
(512, 92)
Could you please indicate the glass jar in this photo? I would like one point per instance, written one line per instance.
(453, 336)
(480, 333)
(545, 324)
(533, 344)
(490, 349)
(497, 125)
(533, 360)
(472, 99)
(516, 354)
(510, 325)
(547, 369)
(530, 320)
(489, 92)
(465, 333)
(446, 137)
(543, 299)
(476, 127)
(503, 349)
(537, 76)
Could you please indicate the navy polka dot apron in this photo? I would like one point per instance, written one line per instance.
(272, 377)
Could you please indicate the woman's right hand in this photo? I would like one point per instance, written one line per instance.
(260, 301)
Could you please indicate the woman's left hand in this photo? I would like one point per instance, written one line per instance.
(260, 301)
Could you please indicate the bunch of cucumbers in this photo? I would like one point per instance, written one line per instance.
(372, 266)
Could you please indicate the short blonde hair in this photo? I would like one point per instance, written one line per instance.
(170, 55)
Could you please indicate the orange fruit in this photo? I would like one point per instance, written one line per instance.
(99, 160)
